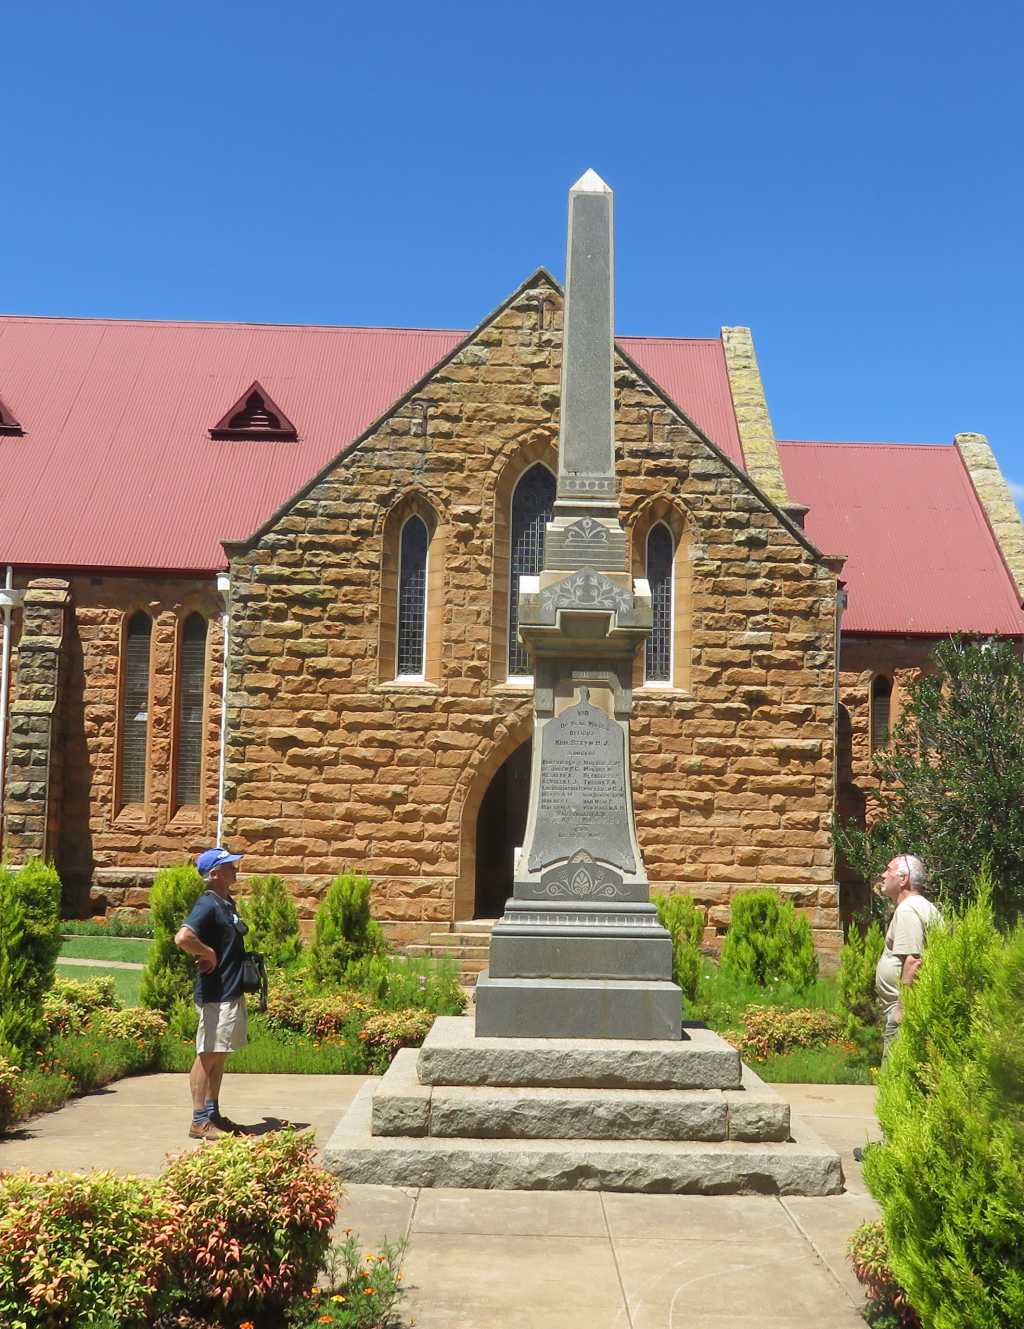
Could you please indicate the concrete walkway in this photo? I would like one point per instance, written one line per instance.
(98, 964)
(530, 1259)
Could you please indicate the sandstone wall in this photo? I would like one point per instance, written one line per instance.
(100, 842)
(328, 765)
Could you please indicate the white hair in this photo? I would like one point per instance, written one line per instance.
(911, 867)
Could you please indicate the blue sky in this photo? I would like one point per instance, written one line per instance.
(845, 180)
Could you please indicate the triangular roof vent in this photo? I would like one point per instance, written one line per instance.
(255, 415)
(8, 424)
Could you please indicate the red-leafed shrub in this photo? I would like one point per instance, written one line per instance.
(869, 1254)
(772, 1029)
(253, 1221)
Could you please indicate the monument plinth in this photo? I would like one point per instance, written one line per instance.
(579, 952)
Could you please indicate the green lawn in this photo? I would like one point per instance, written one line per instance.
(127, 982)
(106, 948)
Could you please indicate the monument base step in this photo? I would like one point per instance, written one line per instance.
(577, 1008)
(453, 1054)
(802, 1166)
(402, 1105)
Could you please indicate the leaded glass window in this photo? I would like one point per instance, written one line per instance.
(532, 504)
(135, 708)
(881, 708)
(191, 695)
(658, 659)
(412, 599)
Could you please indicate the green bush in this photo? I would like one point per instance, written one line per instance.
(253, 1222)
(768, 941)
(273, 921)
(684, 922)
(170, 973)
(70, 1003)
(950, 1175)
(21, 1020)
(856, 978)
(396, 982)
(343, 931)
(116, 924)
(137, 1025)
(39, 889)
(771, 1030)
(79, 1250)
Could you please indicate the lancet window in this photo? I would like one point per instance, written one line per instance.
(658, 657)
(532, 504)
(135, 708)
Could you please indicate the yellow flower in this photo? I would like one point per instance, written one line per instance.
(338, 1299)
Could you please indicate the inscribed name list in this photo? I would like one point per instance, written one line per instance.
(581, 802)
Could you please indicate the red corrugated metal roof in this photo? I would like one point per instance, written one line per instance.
(920, 555)
(117, 468)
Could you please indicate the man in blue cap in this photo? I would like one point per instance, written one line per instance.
(213, 933)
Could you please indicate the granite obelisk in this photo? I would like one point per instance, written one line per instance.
(579, 952)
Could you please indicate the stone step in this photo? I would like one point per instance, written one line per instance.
(465, 944)
(404, 1106)
(453, 1055)
(480, 925)
(803, 1166)
(477, 962)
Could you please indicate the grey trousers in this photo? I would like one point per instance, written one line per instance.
(891, 1030)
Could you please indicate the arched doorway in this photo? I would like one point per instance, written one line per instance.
(500, 826)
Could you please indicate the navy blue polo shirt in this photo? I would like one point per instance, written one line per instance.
(216, 923)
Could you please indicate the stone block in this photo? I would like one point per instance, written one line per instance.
(558, 1008)
(401, 1105)
(453, 1054)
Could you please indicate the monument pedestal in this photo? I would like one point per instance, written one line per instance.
(679, 1116)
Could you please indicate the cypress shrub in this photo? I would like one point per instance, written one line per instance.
(169, 974)
(344, 930)
(273, 921)
(21, 1016)
(950, 1174)
(39, 890)
(856, 979)
(684, 922)
(768, 942)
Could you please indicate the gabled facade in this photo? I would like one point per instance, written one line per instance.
(360, 554)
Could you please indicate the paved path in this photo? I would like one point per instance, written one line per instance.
(531, 1259)
(99, 964)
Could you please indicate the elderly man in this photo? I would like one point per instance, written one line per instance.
(213, 933)
(903, 882)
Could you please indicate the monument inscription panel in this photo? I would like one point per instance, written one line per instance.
(581, 799)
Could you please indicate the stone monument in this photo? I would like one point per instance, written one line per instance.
(576, 1074)
(579, 952)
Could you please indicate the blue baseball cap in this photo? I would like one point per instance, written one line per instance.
(210, 859)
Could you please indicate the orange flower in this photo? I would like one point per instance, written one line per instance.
(369, 1291)
(246, 1324)
(324, 1319)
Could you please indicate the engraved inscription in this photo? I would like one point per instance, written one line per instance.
(581, 801)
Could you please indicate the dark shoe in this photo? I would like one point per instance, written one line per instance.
(228, 1126)
(207, 1131)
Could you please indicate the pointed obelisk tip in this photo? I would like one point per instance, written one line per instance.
(590, 183)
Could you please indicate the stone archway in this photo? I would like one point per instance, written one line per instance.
(500, 824)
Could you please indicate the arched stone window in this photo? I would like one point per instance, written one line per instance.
(188, 757)
(412, 593)
(881, 711)
(533, 501)
(410, 652)
(138, 640)
(658, 652)
(659, 540)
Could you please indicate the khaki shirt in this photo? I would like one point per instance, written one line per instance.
(906, 936)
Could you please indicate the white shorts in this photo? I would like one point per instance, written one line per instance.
(223, 1026)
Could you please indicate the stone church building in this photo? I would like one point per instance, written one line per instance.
(261, 587)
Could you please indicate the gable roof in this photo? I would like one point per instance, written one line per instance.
(921, 558)
(117, 469)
